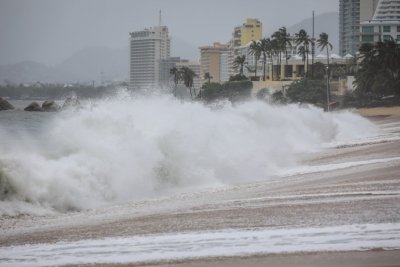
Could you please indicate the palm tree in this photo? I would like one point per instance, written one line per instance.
(277, 47)
(255, 49)
(207, 77)
(286, 41)
(323, 42)
(187, 77)
(379, 72)
(281, 41)
(301, 38)
(239, 63)
(176, 73)
(265, 47)
(301, 51)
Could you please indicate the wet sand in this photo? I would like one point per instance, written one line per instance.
(326, 259)
(366, 193)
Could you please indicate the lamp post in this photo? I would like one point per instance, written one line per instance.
(327, 88)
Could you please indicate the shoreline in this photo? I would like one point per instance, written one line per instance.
(368, 258)
(362, 194)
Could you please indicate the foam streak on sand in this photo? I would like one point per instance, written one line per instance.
(178, 246)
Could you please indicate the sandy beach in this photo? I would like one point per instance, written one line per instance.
(347, 185)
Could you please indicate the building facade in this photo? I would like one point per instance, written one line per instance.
(373, 31)
(388, 10)
(147, 50)
(215, 60)
(250, 30)
(351, 14)
(385, 24)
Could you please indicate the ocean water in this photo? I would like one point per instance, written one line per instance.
(136, 147)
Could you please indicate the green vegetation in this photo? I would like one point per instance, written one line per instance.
(379, 70)
(303, 91)
(232, 90)
(186, 75)
(303, 42)
(238, 63)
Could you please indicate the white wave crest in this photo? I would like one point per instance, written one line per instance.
(131, 148)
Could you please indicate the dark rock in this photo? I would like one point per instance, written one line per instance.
(5, 105)
(50, 105)
(34, 106)
(72, 102)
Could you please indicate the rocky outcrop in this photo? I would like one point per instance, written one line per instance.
(50, 105)
(34, 106)
(5, 105)
(71, 102)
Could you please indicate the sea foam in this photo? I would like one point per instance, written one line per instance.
(136, 147)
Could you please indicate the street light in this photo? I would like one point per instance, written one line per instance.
(327, 88)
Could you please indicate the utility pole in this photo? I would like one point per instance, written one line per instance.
(312, 47)
(327, 90)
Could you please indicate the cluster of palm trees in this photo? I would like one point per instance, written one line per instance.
(379, 68)
(186, 75)
(276, 47)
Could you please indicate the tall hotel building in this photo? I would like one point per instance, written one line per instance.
(385, 24)
(215, 60)
(351, 14)
(147, 50)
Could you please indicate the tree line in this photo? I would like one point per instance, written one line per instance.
(275, 47)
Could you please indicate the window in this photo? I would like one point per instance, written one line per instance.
(367, 38)
(386, 37)
(368, 29)
(398, 28)
(386, 28)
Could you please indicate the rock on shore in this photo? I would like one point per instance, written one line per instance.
(50, 105)
(34, 106)
(5, 105)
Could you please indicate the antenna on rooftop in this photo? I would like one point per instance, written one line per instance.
(159, 19)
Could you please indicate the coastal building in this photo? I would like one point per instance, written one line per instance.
(387, 10)
(351, 14)
(147, 50)
(250, 30)
(215, 60)
(384, 25)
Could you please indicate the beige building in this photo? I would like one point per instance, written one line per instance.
(215, 60)
(250, 30)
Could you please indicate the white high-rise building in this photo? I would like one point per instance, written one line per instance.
(385, 25)
(351, 14)
(388, 10)
(147, 49)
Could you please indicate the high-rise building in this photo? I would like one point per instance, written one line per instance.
(388, 10)
(250, 30)
(351, 14)
(147, 49)
(384, 25)
(215, 60)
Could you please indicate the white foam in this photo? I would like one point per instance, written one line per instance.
(132, 148)
(153, 248)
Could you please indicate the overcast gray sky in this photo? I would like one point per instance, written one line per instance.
(48, 31)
